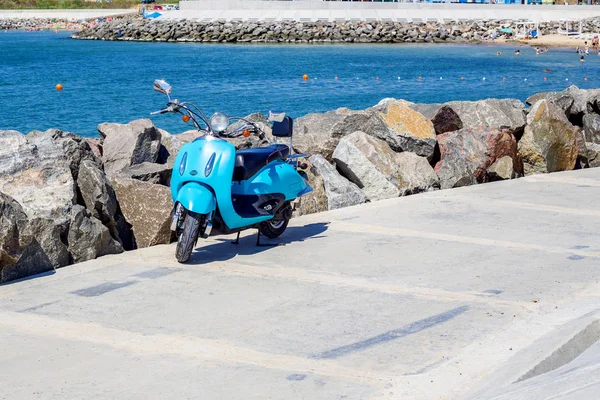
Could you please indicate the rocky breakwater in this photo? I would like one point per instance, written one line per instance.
(304, 32)
(66, 199)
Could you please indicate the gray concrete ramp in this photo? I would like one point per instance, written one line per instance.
(433, 296)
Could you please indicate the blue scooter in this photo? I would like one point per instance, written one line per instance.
(218, 190)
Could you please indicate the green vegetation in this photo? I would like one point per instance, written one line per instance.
(48, 4)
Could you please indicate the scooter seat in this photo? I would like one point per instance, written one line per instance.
(249, 161)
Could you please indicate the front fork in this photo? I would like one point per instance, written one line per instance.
(178, 219)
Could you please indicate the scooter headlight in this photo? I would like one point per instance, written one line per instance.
(183, 164)
(219, 122)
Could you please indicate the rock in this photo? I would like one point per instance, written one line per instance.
(402, 128)
(149, 172)
(98, 196)
(379, 171)
(315, 201)
(339, 191)
(467, 154)
(50, 237)
(95, 146)
(147, 208)
(591, 128)
(171, 144)
(531, 100)
(502, 169)
(37, 174)
(593, 155)
(320, 133)
(491, 113)
(20, 254)
(88, 238)
(446, 120)
(129, 144)
(548, 144)
(415, 174)
(75, 148)
(427, 110)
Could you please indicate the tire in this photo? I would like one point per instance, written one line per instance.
(189, 236)
(273, 228)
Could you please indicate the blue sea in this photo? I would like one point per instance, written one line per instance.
(112, 81)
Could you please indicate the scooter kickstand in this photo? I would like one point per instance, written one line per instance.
(259, 244)
(237, 240)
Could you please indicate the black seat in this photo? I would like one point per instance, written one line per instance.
(249, 161)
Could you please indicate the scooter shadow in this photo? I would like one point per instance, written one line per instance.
(224, 250)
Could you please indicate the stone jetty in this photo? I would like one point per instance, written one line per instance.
(306, 32)
(66, 199)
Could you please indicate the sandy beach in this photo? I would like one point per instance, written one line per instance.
(556, 40)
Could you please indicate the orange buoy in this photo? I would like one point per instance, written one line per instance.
(462, 78)
(545, 78)
(504, 79)
(305, 77)
(59, 87)
(420, 79)
(336, 78)
(585, 79)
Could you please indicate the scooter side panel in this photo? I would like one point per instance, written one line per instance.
(275, 177)
(197, 198)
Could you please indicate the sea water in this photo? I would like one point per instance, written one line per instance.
(112, 81)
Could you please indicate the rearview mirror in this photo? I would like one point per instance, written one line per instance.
(163, 87)
(276, 116)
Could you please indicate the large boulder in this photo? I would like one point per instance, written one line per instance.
(548, 144)
(159, 174)
(125, 145)
(21, 254)
(37, 174)
(88, 238)
(491, 113)
(446, 120)
(403, 128)
(52, 239)
(315, 201)
(340, 192)
(147, 208)
(381, 172)
(320, 133)
(591, 128)
(99, 196)
(467, 154)
(75, 149)
(573, 101)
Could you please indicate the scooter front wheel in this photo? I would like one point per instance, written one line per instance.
(273, 228)
(188, 237)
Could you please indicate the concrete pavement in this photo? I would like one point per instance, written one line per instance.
(444, 295)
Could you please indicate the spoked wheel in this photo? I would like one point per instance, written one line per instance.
(188, 237)
(273, 228)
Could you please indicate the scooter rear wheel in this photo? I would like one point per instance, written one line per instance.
(273, 228)
(188, 237)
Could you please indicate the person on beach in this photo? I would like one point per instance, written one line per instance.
(517, 52)
(498, 53)
(582, 59)
(595, 43)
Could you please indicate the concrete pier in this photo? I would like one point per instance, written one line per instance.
(444, 295)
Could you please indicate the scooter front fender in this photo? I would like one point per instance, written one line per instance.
(196, 197)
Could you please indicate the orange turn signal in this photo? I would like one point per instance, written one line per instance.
(246, 133)
(186, 118)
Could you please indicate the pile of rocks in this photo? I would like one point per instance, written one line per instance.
(66, 199)
(303, 32)
(398, 148)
